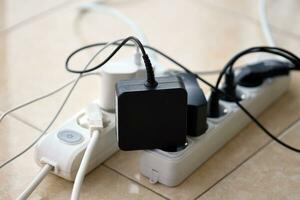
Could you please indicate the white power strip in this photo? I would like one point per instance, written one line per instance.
(64, 147)
(172, 168)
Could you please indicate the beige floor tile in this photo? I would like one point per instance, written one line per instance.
(13, 12)
(273, 173)
(282, 15)
(102, 183)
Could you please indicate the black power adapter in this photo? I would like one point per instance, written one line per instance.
(151, 117)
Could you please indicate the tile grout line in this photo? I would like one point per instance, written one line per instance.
(131, 179)
(44, 13)
(249, 157)
(24, 122)
(251, 19)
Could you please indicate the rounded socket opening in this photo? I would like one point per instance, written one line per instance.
(176, 148)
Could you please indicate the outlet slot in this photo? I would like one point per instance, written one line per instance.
(239, 95)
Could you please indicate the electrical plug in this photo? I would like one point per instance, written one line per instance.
(94, 117)
(229, 87)
(254, 74)
(213, 106)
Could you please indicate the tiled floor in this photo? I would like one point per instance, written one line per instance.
(36, 37)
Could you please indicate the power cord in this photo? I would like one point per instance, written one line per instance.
(278, 51)
(60, 108)
(3, 115)
(262, 8)
(35, 182)
(230, 85)
(95, 120)
(103, 8)
(151, 82)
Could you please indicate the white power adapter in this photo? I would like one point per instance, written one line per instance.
(113, 72)
(64, 148)
(109, 75)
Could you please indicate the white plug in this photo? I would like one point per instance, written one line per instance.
(109, 75)
(95, 119)
(94, 116)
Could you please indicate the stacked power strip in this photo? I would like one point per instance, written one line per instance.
(64, 147)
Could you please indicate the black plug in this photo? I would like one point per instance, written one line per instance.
(214, 109)
(197, 105)
(253, 75)
(229, 87)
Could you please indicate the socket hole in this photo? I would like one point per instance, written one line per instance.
(176, 148)
(239, 95)
(222, 112)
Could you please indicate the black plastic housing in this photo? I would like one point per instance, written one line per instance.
(151, 118)
(197, 105)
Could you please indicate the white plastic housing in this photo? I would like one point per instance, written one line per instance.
(122, 70)
(66, 157)
(110, 74)
(172, 168)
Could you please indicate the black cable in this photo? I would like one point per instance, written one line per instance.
(215, 89)
(151, 82)
(273, 50)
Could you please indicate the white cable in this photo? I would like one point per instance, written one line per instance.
(35, 182)
(115, 13)
(95, 119)
(84, 165)
(265, 27)
(60, 108)
(3, 115)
